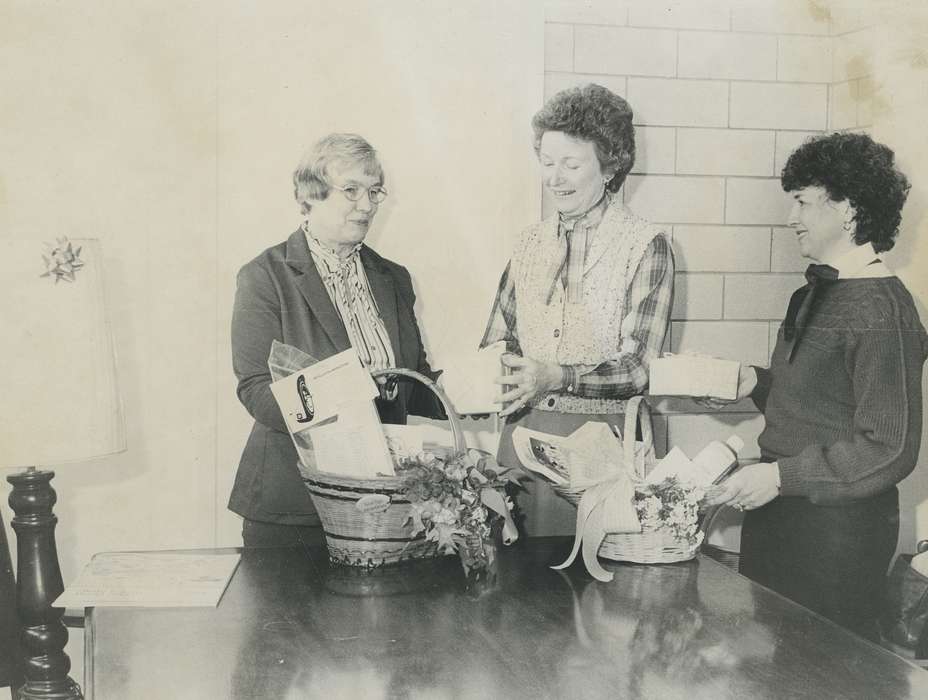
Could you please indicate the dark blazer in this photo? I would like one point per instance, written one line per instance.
(280, 295)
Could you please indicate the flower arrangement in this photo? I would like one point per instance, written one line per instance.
(457, 500)
(671, 504)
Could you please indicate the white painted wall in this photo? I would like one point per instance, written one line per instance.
(171, 131)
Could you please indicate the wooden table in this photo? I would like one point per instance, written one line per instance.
(291, 626)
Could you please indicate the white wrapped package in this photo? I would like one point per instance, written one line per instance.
(694, 375)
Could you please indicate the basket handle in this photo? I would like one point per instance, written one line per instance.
(457, 432)
(635, 407)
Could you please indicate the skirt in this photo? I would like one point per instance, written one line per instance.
(831, 559)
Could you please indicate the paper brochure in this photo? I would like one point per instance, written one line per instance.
(314, 394)
(542, 453)
(353, 444)
(151, 579)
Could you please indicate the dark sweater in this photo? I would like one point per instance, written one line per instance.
(844, 418)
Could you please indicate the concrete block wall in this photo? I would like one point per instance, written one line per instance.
(722, 93)
(853, 95)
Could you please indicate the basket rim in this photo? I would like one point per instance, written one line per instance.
(323, 477)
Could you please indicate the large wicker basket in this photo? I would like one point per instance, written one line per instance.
(373, 538)
(651, 546)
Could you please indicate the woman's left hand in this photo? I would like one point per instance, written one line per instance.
(748, 488)
(529, 380)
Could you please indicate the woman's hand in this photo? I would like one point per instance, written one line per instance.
(529, 379)
(747, 380)
(748, 488)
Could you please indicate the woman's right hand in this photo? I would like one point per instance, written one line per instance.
(527, 380)
(747, 380)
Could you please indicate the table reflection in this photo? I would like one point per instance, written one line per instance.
(397, 632)
(292, 626)
(409, 632)
(646, 634)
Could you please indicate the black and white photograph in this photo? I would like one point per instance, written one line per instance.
(201, 200)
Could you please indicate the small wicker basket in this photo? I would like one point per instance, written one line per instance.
(375, 536)
(650, 546)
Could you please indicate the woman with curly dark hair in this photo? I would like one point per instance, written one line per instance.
(584, 302)
(842, 398)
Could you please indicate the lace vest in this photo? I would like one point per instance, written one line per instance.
(585, 333)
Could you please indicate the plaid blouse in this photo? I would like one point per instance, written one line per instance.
(643, 328)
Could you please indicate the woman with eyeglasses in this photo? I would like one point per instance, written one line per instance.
(322, 291)
(585, 300)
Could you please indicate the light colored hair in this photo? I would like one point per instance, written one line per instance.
(309, 178)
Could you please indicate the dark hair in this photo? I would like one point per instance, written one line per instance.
(595, 114)
(856, 168)
(309, 178)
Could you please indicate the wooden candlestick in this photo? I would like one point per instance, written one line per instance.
(38, 584)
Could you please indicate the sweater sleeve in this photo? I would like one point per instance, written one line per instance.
(256, 322)
(885, 365)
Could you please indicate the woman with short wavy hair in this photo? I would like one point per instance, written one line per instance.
(584, 302)
(842, 399)
(323, 290)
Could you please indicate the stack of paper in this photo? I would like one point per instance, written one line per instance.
(151, 579)
(353, 444)
(339, 388)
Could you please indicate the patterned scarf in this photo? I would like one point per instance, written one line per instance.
(348, 287)
(573, 236)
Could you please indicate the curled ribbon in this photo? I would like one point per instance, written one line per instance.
(494, 500)
(605, 508)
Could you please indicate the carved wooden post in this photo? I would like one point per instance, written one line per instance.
(38, 584)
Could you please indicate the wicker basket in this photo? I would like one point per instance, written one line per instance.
(651, 546)
(377, 536)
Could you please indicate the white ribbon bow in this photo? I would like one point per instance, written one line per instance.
(605, 508)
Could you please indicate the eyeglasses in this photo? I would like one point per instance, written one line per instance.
(353, 193)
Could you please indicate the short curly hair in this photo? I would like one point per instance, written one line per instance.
(309, 178)
(856, 168)
(593, 113)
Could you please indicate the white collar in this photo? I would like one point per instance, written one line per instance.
(857, 263)
(323, 252)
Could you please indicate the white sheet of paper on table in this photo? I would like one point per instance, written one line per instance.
(316, 393)
(151, 579)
